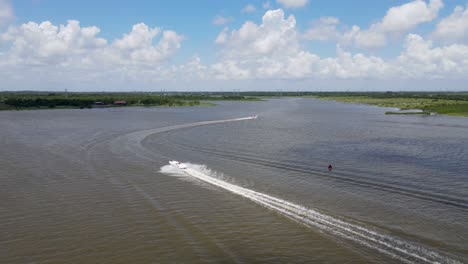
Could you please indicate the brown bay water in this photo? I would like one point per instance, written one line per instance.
(93, 186)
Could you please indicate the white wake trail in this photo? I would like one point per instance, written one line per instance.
(132, 142)
(391, 246)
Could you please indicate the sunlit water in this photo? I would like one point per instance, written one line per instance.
(93, 186)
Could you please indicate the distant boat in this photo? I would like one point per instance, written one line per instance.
(254, 117)
(177, 164)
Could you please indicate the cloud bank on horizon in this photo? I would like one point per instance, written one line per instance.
(273, 53)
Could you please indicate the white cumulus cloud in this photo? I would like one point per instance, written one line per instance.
(45, 43)
(275, 36)
(420, 59)
(140, 37)
(365, 39)
(51, 53)
(271, 50)
(323, 29)
(453, 28)
(397, 21)
(407, 16)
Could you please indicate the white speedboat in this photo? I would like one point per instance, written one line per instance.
(177, 164)
(174, 162)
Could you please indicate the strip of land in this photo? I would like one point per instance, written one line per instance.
(428, 103)
(53, 100)
(449, 103)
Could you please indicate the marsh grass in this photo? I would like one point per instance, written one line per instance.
(427, 105)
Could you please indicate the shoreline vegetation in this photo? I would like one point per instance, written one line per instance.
(409, 103)
(65, 100)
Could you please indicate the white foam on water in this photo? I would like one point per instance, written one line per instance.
(386, 244)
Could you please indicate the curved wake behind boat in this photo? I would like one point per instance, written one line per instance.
(369, 237)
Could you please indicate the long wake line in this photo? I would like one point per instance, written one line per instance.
(391, 246)
(133, 141)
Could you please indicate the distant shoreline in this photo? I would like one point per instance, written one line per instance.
(427, 105)
(38, 100)
(9, 108)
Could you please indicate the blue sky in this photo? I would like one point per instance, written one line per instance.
(343, 43)
(194, 19)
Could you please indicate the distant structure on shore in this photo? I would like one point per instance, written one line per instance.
(120, 102)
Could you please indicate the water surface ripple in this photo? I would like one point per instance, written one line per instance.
(84, 186)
